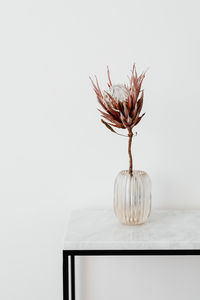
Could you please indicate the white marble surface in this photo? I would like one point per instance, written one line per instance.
(90, 229)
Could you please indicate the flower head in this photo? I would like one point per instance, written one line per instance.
(122, 104)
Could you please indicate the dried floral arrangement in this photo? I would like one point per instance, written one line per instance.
(122, 105)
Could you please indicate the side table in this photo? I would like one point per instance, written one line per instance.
(98, 232)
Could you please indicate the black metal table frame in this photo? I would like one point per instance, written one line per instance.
(69, 269)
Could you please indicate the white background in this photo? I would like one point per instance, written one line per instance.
(55, 155)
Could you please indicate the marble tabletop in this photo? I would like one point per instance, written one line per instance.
(99, 229)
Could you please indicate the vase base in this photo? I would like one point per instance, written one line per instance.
(131, 222)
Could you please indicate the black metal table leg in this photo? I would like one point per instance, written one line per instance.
(65, 276)
(73, 277)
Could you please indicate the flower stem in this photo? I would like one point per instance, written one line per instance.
(130, 134)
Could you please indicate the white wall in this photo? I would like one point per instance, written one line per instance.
(55, 153)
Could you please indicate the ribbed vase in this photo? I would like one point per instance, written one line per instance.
(132, 197)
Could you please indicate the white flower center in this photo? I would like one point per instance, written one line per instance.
(118, 92)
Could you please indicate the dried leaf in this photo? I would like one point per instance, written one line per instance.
(140, 103)
(108, 126)
(129, 101)
(139, 119)
(114, 102)
(110, 118)
(126, 112)
(108, 72)
(111, 129)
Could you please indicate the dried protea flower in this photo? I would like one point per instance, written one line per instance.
(122, 104)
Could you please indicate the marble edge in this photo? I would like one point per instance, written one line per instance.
(137, 246)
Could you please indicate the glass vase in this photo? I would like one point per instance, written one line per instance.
(132, 197)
